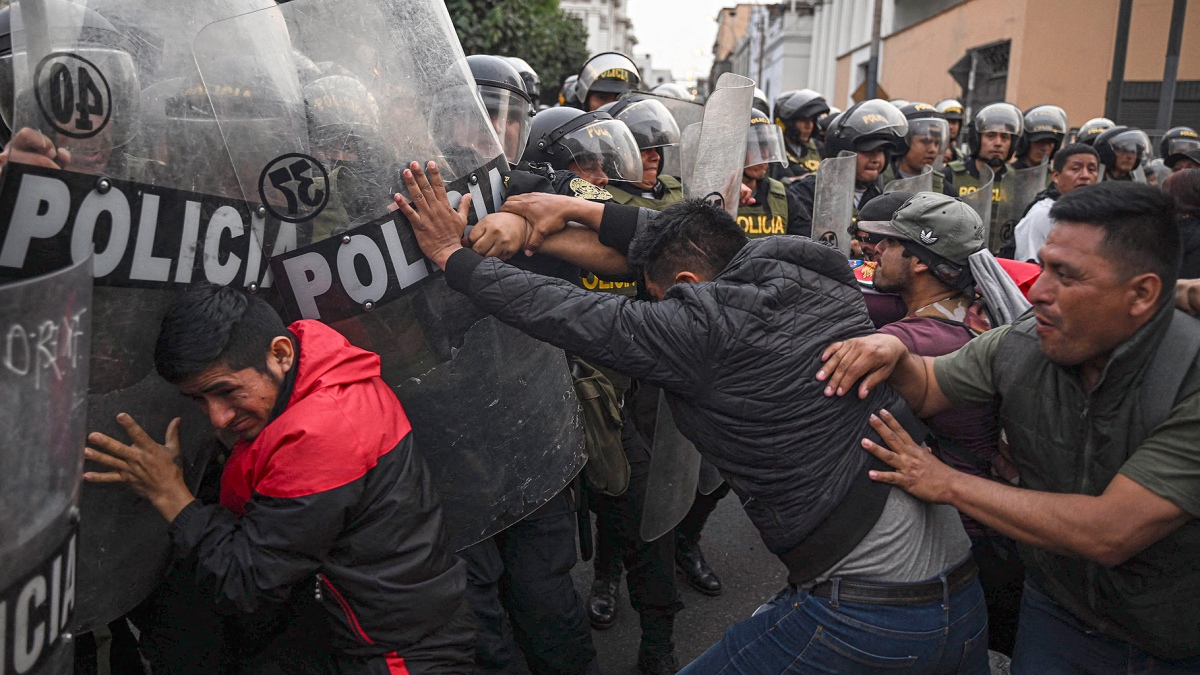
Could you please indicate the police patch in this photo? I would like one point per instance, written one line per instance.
(585, 190)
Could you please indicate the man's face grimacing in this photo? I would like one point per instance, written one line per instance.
(1080, 170)
(590, 169)
(994, 145)
(894, 272)
(1084, 303)
(870, 164)
(241, 401)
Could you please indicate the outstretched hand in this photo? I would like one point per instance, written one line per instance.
(438, 227)
(917, 471)
(871, 358)
(30, 146)
(149, 468)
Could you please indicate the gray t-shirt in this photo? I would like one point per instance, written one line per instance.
(912, 541)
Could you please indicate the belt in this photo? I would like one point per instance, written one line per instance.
(919, 593)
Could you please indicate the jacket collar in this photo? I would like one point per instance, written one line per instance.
(1131, 357)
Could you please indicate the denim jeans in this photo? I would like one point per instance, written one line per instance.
(799, 633)
(1051, 641)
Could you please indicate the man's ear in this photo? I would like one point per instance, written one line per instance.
(688, 278)
(1145, 291)
(282, 354)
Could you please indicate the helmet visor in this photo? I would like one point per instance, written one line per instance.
(612, 73)
(512, 116)
(651, 124)
(1132, 141)
(928, 138)
(764, 145)
(1005, 119)
(1180, 145)
(605, 146)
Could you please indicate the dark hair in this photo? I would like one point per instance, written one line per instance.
(1141, 233)
(1184, 186)
(688, 235)
(213, 325)
(1063, 156)
(954, 276)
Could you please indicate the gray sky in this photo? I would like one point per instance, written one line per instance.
(678, 33)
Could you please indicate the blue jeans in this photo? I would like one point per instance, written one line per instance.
(799, 633)
(1051, 641)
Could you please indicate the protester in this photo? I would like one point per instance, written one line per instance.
(1105, 513)
(1184, 186)
(1075, 166)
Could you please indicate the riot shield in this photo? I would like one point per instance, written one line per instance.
(686, 113)
(674, 476)
(914, 184)
(981, 200)
(833, 201)
(720, 152)
(494, 411)
(80, 70)
(1016, 192)
(47, 324)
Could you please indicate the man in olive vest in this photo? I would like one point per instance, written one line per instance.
(773, 209)
(1099, 395)
(992, 141)
(653, 128)
(796, 113)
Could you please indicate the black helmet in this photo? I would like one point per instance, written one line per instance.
(566, 96)
(560, 136)
(899, 102)
(648, 120)
(1044, 122)
(1177, 143)
(1005, 118)
(951, 109)
(764, 141)
(508, 105)
(610, 72)
(673, 90)
(923, 121)
(1122, 139)
(1091, 130)
(799, 104)
(825, 120)
(866, 126)
(533, 83)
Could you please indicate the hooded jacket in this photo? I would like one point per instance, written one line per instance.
(331, 499)
(738, 358)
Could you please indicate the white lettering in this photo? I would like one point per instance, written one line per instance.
(145, 266)
(285, 240)
(68, 596)
(497, 188)
(55, 598)
(254, 256)
(28, 640)
(41, 210)
(406, 273)
(189, 242)
(47, 352)
(17, 336)
(309, 276)
(224, 219)
(114, 203)
(477, 201)
(364, 246)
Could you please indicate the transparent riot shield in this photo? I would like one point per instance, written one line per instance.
(674, 476)
(156, 197)
(689, 146)
(914, 184)
(721, 149)
(686, 113)
(374, 85)
(982, 201)
(833, 201)
(1015, 193)
(43, 386)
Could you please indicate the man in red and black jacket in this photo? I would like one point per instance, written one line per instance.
(322, 495)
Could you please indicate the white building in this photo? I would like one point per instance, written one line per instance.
(609, 27)
(776, 49)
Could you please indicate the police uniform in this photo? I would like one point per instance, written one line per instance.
(962, 178)
(804, 190)
(892, 172)
(774, 211)
(802, 161)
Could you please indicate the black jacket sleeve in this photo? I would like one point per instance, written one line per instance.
(803, 192)
(948, 182)
(664, 343)
(796, 221)
(620, 223)
(260, 556)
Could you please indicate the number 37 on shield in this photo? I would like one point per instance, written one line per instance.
(73, 95)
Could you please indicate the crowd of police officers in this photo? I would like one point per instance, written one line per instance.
(609, 138)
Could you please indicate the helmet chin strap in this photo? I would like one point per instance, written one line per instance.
(995, 162)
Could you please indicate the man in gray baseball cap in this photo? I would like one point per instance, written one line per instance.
(923, 259)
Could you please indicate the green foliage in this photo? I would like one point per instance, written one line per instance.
(552, 41)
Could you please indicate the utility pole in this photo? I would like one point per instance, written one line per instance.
(1166, 96)
(762, 40)
(873, 60)
(1112, 107)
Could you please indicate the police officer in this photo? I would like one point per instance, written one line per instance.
(760, 102)
(1179, 149)
(774, 210)
(674, 90)
(824, 121)
(603, 79)
(1091, 130)
(566, 95)
(1045, 128)
(928, 135)
(951, 110)
(797, 112)
(533, 83)
(1122, 152)
(653, 128)
(871, 129)
(991, 142)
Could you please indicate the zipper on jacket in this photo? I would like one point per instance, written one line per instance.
(351, 618)
(1085, 483)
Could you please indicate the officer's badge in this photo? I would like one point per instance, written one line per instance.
(585, 190)
(812, 164)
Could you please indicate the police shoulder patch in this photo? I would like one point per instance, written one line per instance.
(585, 190)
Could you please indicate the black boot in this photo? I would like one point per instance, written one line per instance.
(689, 559)
(602, 607)
(656, 655)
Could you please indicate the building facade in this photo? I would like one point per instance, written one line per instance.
(608, 25)
(776, 49)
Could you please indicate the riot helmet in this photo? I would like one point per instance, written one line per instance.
(648, 120)
(798, 104)
(899, 102)
(950, 109)
(1177, 143)
(343, 134)
(764, 141)
(869, 125)
(592, 144)
(610, 74)
(1156, 172)
(508, 105)
(673, 90)
(1122, 150)
(760, 101)
(1002, 118)
(566, 96)
(533, 83)
(927, 131)
(1091, 130)
(824, 121)
(1044, 123)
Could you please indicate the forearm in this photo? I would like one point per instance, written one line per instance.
(582, 247)
(913, 379)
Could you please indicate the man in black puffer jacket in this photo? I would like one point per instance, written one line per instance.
(736, 340)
